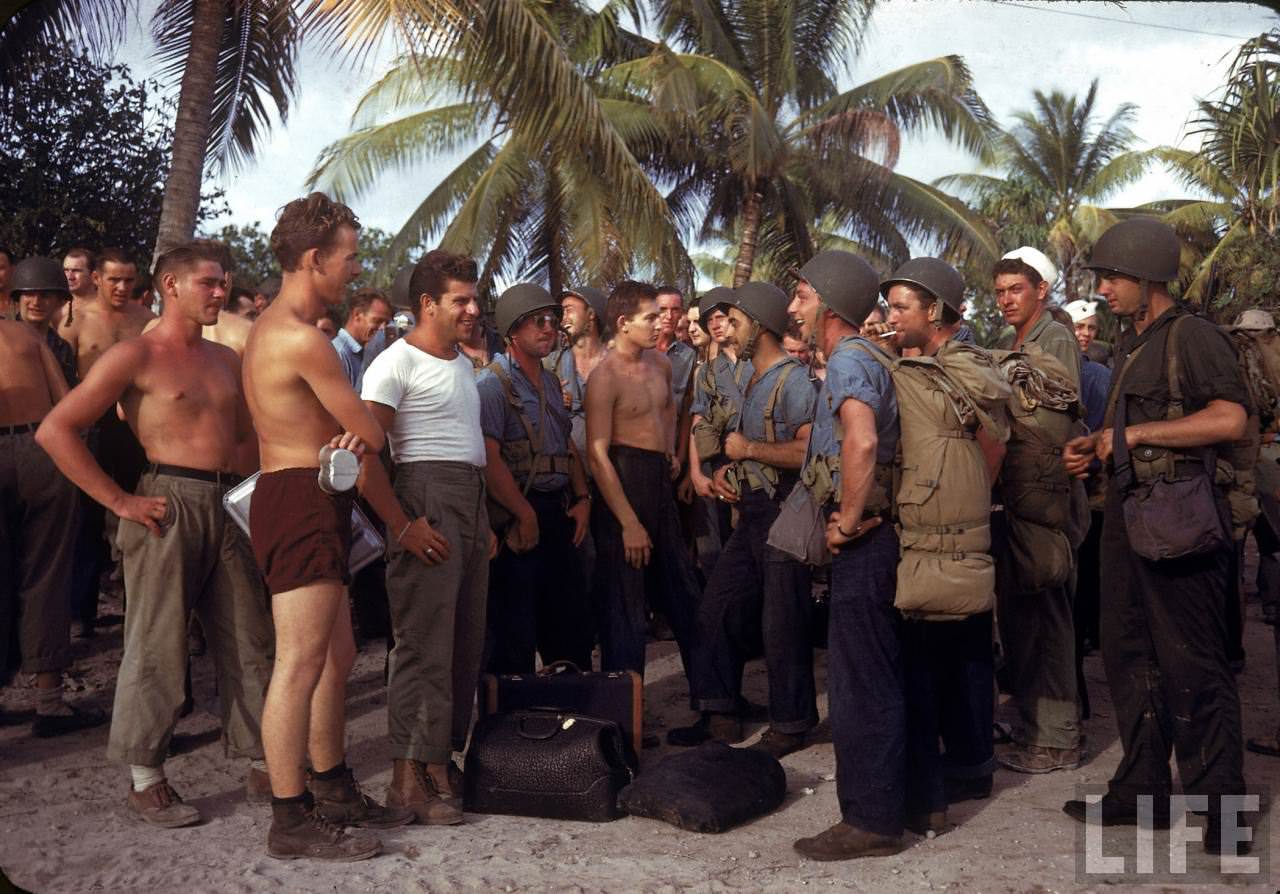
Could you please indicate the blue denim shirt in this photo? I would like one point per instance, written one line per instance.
(852, 374)
(792, 411)
(499, 420)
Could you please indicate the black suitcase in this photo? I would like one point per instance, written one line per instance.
(547, 764)
(610, 695)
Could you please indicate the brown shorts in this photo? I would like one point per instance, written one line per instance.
(299, 533)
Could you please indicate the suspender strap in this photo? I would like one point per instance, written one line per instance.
(535, 442)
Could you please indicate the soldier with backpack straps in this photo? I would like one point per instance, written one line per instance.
(1165, 542)
(716, 398)
(756, 590)
(539, 504)
(889, 773)
(1044, 519)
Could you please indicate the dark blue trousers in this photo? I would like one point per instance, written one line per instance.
(538, 599)
(880, 688)
(668, 584)
(756, 592)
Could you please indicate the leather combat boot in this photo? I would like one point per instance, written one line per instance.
(845, 842)
(298, 830)
(340, 801)
(412, 789)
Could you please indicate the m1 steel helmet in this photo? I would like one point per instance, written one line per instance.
(766, 304)
(722, 297)
(518, 302)
(38, 275)
(1141, 247)
(936, 277)
(846, 283)
(595, 299)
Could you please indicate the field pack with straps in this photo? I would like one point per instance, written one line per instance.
(1046, 511)
(523, 456)
(710, 430)
(759, 475)
(942, 495)
(1236, 461)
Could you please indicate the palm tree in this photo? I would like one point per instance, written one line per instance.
(234, 58)
(528, 198)
(1236, 225)
(762, 145)
(1057, 163)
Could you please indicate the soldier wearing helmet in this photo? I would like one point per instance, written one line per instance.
(754, 585)
(39, 288)
(851, 450)
(40, 518)
(717, 399)
(581, 348)
(537, 594)
(1165, 650)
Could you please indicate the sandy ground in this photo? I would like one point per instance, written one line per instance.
(63, 826)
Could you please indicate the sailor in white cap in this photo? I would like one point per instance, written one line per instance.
(1084, 317)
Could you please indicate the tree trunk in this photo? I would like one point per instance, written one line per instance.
(191, 129)
(752, 208)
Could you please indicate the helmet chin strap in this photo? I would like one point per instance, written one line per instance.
(749, 349)
(1144, 304)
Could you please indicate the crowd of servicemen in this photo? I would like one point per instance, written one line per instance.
(583, 469)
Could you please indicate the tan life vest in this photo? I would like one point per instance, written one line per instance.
(943, 497)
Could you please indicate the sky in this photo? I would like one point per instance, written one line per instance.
(1159, 56)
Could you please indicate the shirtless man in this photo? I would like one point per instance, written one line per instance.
(111, 316)
(630, 441)
(77, 266)
(91, 329)
(301, 401)
(181, 395)
(38, 531)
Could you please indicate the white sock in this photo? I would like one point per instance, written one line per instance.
(145, 777)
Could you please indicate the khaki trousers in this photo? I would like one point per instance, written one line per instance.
(437, 612)
(202, 563)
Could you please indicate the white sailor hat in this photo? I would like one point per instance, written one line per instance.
(1037, 260)
(1081, 309)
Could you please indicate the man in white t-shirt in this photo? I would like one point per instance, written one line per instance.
(422, 391)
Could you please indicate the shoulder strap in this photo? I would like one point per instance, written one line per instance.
(1172, 364)
(535, 441)
(769, 435)
(1117, 383)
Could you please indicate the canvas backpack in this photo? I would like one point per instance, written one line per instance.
(942, 494)
(1045, 509)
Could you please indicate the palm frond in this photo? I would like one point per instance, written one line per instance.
(937, 94)
(350, 166)
(43, 26)
(256, 73)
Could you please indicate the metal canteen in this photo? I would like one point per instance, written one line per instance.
(338, 469)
